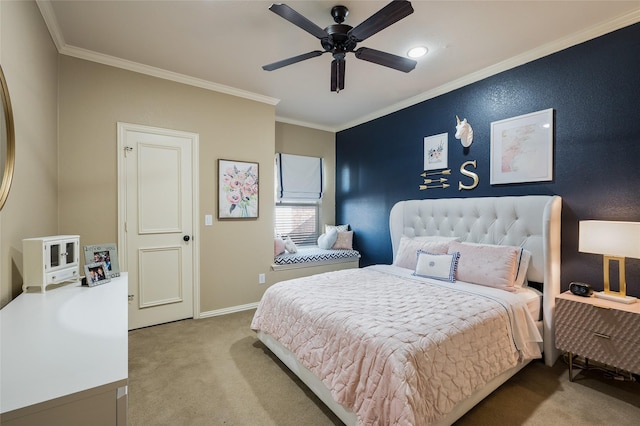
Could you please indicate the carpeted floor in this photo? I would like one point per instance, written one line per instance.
(215, 372)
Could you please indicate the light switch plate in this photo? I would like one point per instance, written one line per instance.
(208, 220)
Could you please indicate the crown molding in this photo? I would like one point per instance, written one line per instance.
(606, 27)
(164, 74)
(529, 56)
(46, 10)
(305, 124)
(50, 20)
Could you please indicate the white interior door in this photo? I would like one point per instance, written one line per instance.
(157, 223)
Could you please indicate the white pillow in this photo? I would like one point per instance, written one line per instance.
(328, 239)
(290, 246)
(339, 228)
(437, 266)
(486, 264)
(407, 254)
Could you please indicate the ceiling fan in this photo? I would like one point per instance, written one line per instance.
(340, 39)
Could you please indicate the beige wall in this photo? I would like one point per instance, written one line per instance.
(29, 60)
(298, 140)
(94, 97)
(66, 110)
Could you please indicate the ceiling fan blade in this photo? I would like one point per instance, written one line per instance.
(297, 19)
(292, 60)
(386, 59)
(337, 75)
(390, 14)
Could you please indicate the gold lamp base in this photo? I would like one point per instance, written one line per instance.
(608, 294)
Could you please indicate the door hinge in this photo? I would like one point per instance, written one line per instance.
(130, 298)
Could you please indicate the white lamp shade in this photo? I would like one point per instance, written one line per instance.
(621, 239)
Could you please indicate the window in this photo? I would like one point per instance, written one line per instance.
(298, 195)
(298, 221)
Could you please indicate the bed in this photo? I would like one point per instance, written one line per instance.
(385, 345)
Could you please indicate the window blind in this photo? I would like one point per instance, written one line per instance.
(298, 221)
(299, 177)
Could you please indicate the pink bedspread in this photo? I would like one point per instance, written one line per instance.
(395, 351)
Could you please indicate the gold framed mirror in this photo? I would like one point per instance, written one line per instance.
(7, 142)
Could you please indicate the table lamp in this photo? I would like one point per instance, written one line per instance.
(615, 241)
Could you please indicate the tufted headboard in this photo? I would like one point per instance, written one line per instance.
(530, 221)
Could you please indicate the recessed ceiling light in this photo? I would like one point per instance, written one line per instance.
(417, 52)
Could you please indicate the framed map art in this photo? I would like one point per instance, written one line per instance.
(522, 148)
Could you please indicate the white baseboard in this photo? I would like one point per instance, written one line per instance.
(229, 310)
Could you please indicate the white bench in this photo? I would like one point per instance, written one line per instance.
(313, 256)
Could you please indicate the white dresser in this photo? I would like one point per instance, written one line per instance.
(64, 356)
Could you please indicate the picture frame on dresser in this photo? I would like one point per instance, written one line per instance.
(96, 274)
(107, 253)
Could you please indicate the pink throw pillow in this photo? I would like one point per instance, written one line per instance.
(489, 265)
(344, 241)
(407, 255)
(278, 246)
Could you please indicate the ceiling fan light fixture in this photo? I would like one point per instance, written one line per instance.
(417, 52)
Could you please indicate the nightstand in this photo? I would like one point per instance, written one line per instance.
(598, 329)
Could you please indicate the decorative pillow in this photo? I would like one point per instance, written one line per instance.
(328, 239)
(278, 246)
(290, 245)
(523, 267)
(344, 241)
(485, 264)
(437, 266)
(523, 263)
(339, 228)
(407, 254)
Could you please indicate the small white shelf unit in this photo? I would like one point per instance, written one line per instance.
(50, 260)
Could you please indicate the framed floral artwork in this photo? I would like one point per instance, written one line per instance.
(436, 152)
(237, 190)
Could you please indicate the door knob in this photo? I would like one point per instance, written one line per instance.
(186, 238)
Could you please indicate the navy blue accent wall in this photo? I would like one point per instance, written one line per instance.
(594, 90)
